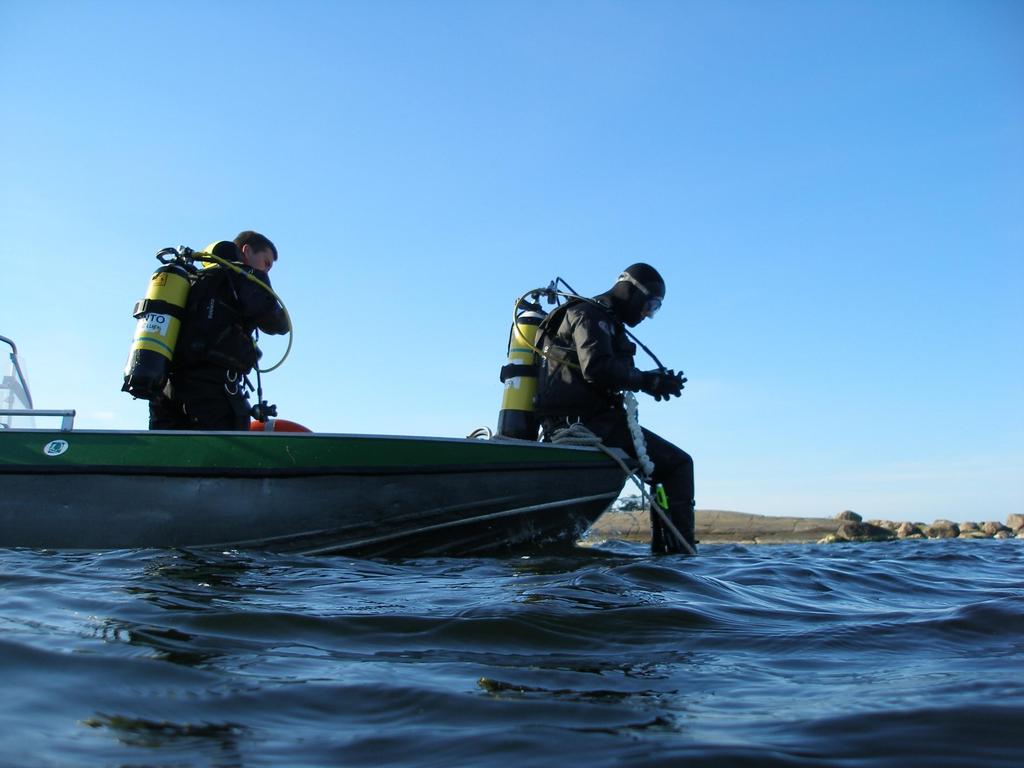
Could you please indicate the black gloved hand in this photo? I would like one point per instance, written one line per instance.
(662, 385)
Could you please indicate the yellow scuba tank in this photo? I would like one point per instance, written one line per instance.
(159, 317)
(519, 375)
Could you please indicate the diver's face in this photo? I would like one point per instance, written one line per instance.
(641, 301)
(639, 308)
(651, 307)
(261, 260)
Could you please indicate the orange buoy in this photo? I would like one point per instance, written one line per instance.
(277, 425)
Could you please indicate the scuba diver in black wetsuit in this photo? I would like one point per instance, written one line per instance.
(206, 386)
(588, 363)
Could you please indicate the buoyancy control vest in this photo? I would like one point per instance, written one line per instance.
(214, 330)
(544, 373)
(562, 389)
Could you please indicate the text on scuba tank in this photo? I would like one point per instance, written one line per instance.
(153, 323)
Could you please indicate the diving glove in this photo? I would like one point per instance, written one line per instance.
(661, 384)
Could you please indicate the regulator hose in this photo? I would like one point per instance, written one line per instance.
(209, 257)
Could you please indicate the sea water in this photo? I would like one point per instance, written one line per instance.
(890, 654)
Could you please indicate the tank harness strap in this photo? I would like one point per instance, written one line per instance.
(158, 307)
(511, 370)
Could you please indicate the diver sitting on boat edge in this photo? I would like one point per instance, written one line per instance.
(587, 364)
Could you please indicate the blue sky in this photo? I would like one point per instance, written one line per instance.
(834, 192)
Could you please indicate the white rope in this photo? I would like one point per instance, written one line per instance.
(629, 399)
(575, 434)
(640, 444)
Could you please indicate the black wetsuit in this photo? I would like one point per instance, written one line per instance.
(588, 363)
(215, 350)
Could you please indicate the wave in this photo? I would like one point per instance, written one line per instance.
(789, 655)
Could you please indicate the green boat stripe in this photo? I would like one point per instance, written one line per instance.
(248, 472)
(248, 454)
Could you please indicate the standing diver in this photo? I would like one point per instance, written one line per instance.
(206, 387)
(588, 363)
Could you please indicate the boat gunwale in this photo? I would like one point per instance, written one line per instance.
(533, 458)
(255, 434)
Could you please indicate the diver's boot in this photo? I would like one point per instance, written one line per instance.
(663, 539)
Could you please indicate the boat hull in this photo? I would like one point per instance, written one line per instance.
(313, 494)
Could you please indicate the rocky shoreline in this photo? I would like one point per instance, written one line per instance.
(722, 527)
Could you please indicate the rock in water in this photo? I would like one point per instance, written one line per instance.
(849, 515)
(906, 530)
(943, 529)
(857, 531)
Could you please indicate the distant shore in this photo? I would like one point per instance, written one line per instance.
(720, 527)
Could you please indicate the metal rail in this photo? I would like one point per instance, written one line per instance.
(17, 370)
(67, 417)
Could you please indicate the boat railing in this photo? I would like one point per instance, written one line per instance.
(67, 418)
(14, 391)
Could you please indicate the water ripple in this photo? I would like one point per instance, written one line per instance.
(876, 655)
